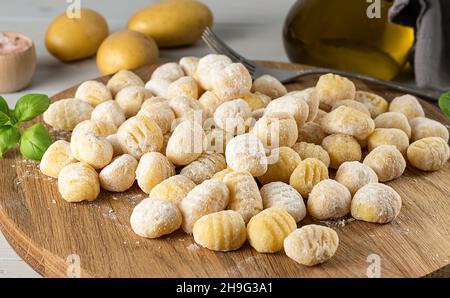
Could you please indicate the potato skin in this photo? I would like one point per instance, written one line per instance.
(74, 39)
(172, 23)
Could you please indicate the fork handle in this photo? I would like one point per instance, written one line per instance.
(427, 95)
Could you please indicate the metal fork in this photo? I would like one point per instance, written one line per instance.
(286, 76)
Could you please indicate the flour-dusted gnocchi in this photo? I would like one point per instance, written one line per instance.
(258, 114)
(56, 157)
(220, 231)
(246, 153)
(221, 175)
(422, 127)
(244, 194)
(393, 120)
(311, 97)
(256, 100)
(153, 218)
(204, 167)
(329, 200)
(210, 102)
(408, 105)
(160, 112)
(187, 108)
(270, 86)
(311, 244)
(311, 133)
(280, 169)
(276, 130)
(130, 99)
(377, 203)
(110, 112)
(217, 140)
(123, 79)
(388, 136)
(352, 104)
(348, 121)
(173, 189)
(341, 148)
(117, 148)
(184, 86)
(78, 182)
(375, 103)
(153, 168)
(233, 81)
(386, 161)
(307, 174)
(189, 65)
(207, 67)
(267, 230)
(208, 197)
(428, 154)
(354, 175)
(186, 143)
(310, 150)
(232, 116)
(65, 114)
(98, 128)
(291, 104)
(158, 87)
(139, 135)
(282, 195)
(91, 149)
(120, 174)
(93, 92)
(319, 116)
(333, 88)
(169, 71)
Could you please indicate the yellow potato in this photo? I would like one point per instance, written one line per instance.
(126, 50)
(70, 39)
(172, 23)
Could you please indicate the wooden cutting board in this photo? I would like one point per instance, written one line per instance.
(50, 234)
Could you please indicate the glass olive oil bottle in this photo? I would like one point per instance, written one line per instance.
(339, 34)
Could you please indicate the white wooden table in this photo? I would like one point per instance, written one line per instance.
(252, 27)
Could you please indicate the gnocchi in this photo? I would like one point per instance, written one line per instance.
(282, 195)
(393, 120)
(408, 105)
(354, 175)
(91, 149)
(158, 87)
(189, 65)
(187, 108)
(352, 104)
(110, 112)
(422, 127)
(173, 189)
(310, 150)
(428, 154)
(311, 133)
(311, 97)
(341, 148)
(375, 104)
(276, 130)
(233, 81)
(232, 116)
(78, 182)
(386, 161)
(207, 67)
(217, 140)
(307, 174)
(119, 175)
(256, 100)
(98, 128)
(269, 86)
(130, 99)
(153, 168)
(332, 88)
(204, 167)
(329, 200)
(186, 143)
(291, 104)
(123, 79)
(93, 92)
(169, 71)
(210, 102)
(286, 160)
(184, 86)
(56, 157)
(65, 114)
(388, 136)
(160, 112)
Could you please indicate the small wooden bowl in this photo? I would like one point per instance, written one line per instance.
(17, 68)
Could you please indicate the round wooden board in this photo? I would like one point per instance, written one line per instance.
(46, 231)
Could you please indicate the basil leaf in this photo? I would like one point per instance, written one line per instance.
(9, 136)
(35, 141)
(30, 106)
(3, 118)
(4, 106)
(444, 103)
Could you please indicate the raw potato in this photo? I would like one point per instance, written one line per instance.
(375, 103)
(234, 81)
(422, 127)
(386, 161)
(110, 112)
(354, 175)
(70, 39)
(309, 150)
(267, 230)
(311, 133)
(269, 86)
(186, 143)
(329, 200)
(65, 114)
(153, 168)
(311, 245)
(153, 218)
(377, 203)
(428, 154)
(388, 136)
(220, 231)
(307, 174)
(130, 99)
(244, 194)
(352, 104)
(206, 198)
(160, 112)
(286, 160)
(91, 149)
(256, 100)
(282, 195)
(184, 86)
(291, 104)
(204, 167)
(126, 50)
(333, 88)
(276, 130)
(311, 97)
(57, 156)
(93, 92)
(393, 120)
(172, 23)
(246, 153)
(341, 148)
(232, 116)
(78, 182)
(122, 79)
(119, 175)
(173, 189)
(407, 105)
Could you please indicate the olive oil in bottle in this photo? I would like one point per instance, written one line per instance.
(339, 34)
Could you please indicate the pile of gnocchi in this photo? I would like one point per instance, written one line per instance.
(229, 159)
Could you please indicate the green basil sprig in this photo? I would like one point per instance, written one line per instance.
(444, 103)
